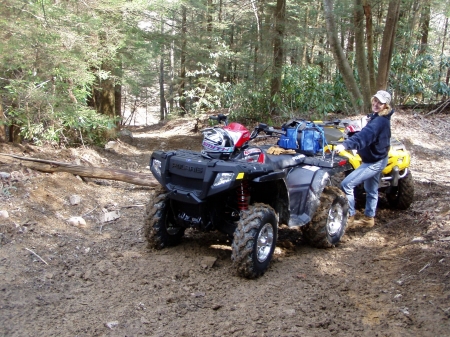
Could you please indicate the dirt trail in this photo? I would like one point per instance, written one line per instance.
(100, 279)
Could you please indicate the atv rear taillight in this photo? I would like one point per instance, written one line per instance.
(261, 158)
(342, 163)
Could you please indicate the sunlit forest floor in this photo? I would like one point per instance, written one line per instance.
(99, 278)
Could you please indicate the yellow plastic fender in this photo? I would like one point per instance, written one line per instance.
(400, 158)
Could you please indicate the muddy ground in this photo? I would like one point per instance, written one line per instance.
(100, 279)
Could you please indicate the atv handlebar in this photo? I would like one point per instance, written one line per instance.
(262, 127)
(268, 130)
(220, 118)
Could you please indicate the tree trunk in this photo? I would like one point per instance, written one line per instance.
(172, 69)
(183, 60)
(2, 124)
(350, 43)
(370, 46)
(447, 79)
(341, 61)
(278, 52)
(257, 42)
(118, 101)
(118, 93)
(107, 96)
(424, 27)
(162, 99)
(310, 58)
(230, 75)
(303, 52)
(209, 21)
(360, 55)
(441, 63)
(89, 172)
(14, 134)
(387, 45)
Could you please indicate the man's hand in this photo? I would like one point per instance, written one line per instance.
(339, 148)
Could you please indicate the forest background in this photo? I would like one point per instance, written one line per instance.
(74, 72)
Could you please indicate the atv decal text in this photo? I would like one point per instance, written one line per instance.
(300, 156)
(187, 168)
(216, 148)
(251, 151)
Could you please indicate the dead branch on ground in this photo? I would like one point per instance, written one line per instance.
(440, 108)
(51, 166)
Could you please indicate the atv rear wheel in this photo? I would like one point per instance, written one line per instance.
(160, 228)
(402, 196)
(330, 220)
(254, 240)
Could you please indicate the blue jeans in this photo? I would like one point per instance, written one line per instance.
(369, 173)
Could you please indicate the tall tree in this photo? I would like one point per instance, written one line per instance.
(425, 27)
(162, 99)
(360, 54)
(339, 57)
(2, 124)
(370, 44)
(182, 85)
(387, 45)
(278, 50)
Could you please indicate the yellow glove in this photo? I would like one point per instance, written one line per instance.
(289, 152)
(276, 150)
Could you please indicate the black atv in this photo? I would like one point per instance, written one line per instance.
(246, 192)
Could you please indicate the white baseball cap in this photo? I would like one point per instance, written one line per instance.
(383, 96)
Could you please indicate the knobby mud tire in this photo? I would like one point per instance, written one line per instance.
(156, 221)
(402, 196)
(245, 242)
(317, 233)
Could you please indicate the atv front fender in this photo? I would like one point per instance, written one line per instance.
(305, 186)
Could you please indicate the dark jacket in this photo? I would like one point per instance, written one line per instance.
(373, 141)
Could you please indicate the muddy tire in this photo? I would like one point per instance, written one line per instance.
(330, 220)
(254, 241)
(160, 229)
(402, 196)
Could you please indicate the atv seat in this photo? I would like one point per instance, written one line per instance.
(333, 134)
(285, 160)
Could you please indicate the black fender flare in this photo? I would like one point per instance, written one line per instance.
(320, 180)
(305, 187)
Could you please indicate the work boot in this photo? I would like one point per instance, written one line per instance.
(365, 221)
(350, 220)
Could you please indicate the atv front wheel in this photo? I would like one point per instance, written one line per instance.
(402, 196)
(330, 220)
(160, 228)
(254, 240)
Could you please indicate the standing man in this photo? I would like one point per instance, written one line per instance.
(372, 144)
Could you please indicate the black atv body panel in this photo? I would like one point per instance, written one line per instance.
(305, 185)
(292, 181)
(189, 176)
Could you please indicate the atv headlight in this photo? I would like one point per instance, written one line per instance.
(156, 167)
(223, 178)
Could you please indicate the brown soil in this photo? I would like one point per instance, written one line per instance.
(58, 279)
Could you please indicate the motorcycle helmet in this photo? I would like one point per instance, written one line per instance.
(217, 143)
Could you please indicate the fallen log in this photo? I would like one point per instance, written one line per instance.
(51, 166)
